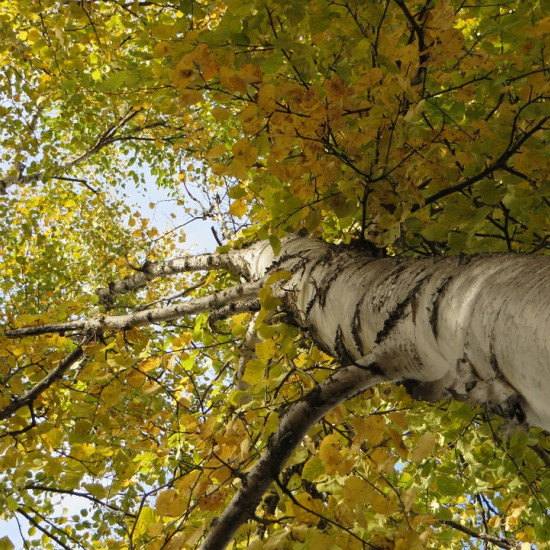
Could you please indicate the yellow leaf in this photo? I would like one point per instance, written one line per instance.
(250, 73)
(183, 73)
(329, 453)
(355, 492)
(408, 497)
(220, 113)
(442, 16)
(254, 371)
(182, 341)
(313, 468)
(163, 32)
(245, 152)
(216, 152)
(150, 387)
(382, 459)
(149, 364)
(162, 49)
(190, 97)
(399, 445)
(424, 447)
(307, 502)
(170, 504)
(372, 428)
(112, 395)
(229, 80)
(399, 418)
(237, 169)
(265, 350)
(279, 275)
(238, 208)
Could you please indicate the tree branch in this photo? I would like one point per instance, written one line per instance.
(87, 496)
(28, 398)
(152, 270)
(98, 325)
(49, 534)
(501, 543)
(294, 425)
(499, 164)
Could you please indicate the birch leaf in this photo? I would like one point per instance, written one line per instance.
(424, 447)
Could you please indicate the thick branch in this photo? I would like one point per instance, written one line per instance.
(152, 270)
(28, 397)
(234, 309)
(294, 425)
(98, 325)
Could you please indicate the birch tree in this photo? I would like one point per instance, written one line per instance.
(363, 361)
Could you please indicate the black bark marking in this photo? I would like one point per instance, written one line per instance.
(356, 328)
(494, 362)
(434, 314)
(374, 368)
(326, 283)
(399, 312)
(465, 259)
(511, 409)
(340, 348)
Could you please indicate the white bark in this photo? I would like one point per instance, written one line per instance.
(472, 327)
(235, 295)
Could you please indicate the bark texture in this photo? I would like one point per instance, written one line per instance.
(471, 327)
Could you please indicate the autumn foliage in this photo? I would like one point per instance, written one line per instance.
(404, 127)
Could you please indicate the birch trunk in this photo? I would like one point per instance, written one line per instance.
(471, 327)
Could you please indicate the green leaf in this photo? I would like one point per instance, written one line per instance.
(449, 486)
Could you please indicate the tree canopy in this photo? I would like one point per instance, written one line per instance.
(403, 128)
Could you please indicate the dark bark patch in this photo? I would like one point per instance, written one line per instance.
(356, 328)
(340, 348)
(374, 368)
(325, 286)
(494, 362)
(399, 312)
(434, 314)
(511, 409)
